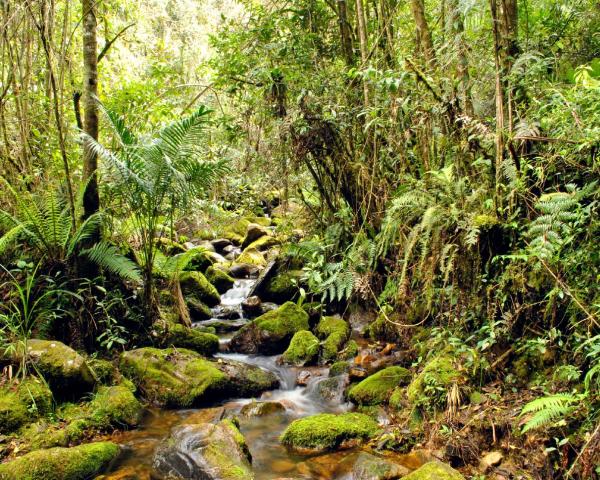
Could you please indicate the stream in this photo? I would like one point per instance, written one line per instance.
(270, 459)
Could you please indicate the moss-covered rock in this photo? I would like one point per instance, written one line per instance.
(339, 368)
(335, 333)
(177, 335)
(254, 232)
(236, 231)
(261, 409)
(196, 285)
(67, 372)
(271, 332)
(206, 450)
(76, 463)
(429, 388)
(172, 377)
(303, 349)
(182, 378)
(200, 258)
(220, 279)
(434, 471)
(377, 388)
(168, 246)
(264, 243)
(282, 287)
(198, 309)
(114, 407)
(104, 370)
(327, 431)
(371, 467)
(350, 351)
(23, 402)
(251, 256)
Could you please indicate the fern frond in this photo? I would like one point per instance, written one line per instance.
(108, 257)
(549, 410)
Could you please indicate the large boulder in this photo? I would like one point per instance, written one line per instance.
(180, 336)
(434, 471)
(23, 402)
(303, 349)
(327, 431)
(264, 243)
(76, 463)
(196, 285)
(252, 256)
(335, 333)
(205, 452)
(182, 378)
(67, 372)
(270, 333)
(281, 287)
(254, 231)
(377, 388)
(220, 279)
(114, 407)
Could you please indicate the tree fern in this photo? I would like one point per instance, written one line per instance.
(550, 410)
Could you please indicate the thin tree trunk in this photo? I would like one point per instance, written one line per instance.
(500, 120)
(424, 41)
(364, 48)
(456, 29)
(345, 32)
(91, 198)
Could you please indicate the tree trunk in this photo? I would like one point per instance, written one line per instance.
(500, 120)
(345, 32)
(364, 48)
(456, 30)
(424, 40)
(91, 198)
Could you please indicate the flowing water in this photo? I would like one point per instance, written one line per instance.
(270, 459)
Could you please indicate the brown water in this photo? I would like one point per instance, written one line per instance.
(270, 460)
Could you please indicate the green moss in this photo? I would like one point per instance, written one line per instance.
(397, 398)
(286, 320)
(303, 349)
(23, 402)
(380, 329)
(262, 221)
(168, 246)
(77, 463)
(339, 368)
(434, 471)
(283, 286)
(428, 389)
(252, 256)
(328, 431)
(177, 335)
(103, 370)
(377, 388)
(113, 407)
(350, 350)
(335, 331)
(263, 243)
(236, 231)
(198, 309)
(173, 377)
(221, 280)
(196, 285)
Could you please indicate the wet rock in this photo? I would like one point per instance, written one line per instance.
(221, 244)
(264, 243)
(261, 409)
(228, 313)
(339, 368)
(371, 467)
(224, 326)
(327, 431)
(243, 270)
(281, 287)
(23, 402)
(230, 249)
(252, 305)
(198, 309)
(335, 332)
(246, 380)
(303, 349)
(268, 307)
(205, 452)
(221, 280)
(188, 246)
(177, 335)
(206, 245)
(377, 388)
(434, 471)
(303, 377)
(270, 333)
(67, 372)
(76, 463)
(196, 285)
(252, 256)
(254, 231)
(331, 389)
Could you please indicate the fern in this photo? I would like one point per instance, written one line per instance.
(108, 257)
(550, 410)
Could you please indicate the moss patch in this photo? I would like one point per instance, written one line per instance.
(434, 471)
(23, 402)
(177, 378)
(263, 243)
(252, 256)
(428, 389)
(303, 349)
(196, 285)
(326, 431)
(335, 331)
(282, 287)
(177, 335)
(377, 388)
(221, 280)
(77, 463)
(339, 368)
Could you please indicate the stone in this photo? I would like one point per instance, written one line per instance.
(252, 256)
(261, 409)
(434, 471)
(303, 349)
(270, 333)
(264, 243)
(220, 244)
(490, 460)
(243, 270)
(221, 280)
(195, 284)
(76, 463)
(327, 431)
(252, 305)
(282, 287)
(67, 372)
(180, 336)
(371, 467)
(198, 309)
(205, 452)
(254, 231)
(377, 388)
(22, 402)
(303, 377)
(335, 333)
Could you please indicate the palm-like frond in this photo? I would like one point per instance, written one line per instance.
(107, 256)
